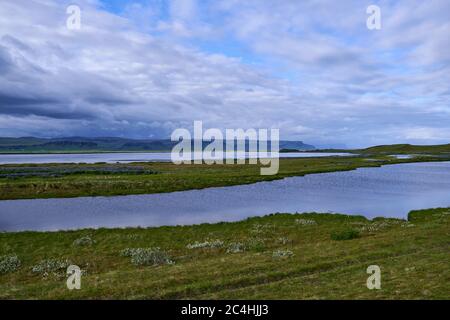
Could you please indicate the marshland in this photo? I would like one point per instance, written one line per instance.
(287, 255)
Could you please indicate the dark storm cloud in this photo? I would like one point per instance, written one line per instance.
(43, 110)
(5, 60)
(12, 101)
(107, 100)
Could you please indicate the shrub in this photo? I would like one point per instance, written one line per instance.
(381, 224)
(236, 247)
(374, 227)
(345, 234)
(407, 225)
(134, 236)
(147, 256)
(9, 263)
(262, 228)
(205, 244)
(84, 241)
(256, 244)
(305, 222)
(282, 254)
(64, 170)
(284, 240)
(51, 266)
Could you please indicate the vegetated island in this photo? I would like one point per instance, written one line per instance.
(29, 181)
(33, 145)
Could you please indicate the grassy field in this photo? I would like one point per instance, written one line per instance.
(71, 180)
(281, 256)
(396, 149)
(407, 149)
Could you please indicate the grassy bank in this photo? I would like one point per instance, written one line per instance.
(74, 180)
(281, 256)
(396, 149)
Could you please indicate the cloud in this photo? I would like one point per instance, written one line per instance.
(427, 133)
(310, 68)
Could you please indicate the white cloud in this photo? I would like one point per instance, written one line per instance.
(310, 67)
(427, 133)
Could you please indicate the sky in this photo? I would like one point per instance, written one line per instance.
(142, 69)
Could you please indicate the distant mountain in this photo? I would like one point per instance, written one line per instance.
(296, 145)
(104, 144)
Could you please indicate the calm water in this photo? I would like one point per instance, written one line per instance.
(390, 191)
(125, 157)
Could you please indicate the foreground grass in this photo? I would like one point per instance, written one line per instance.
(281, 256)
(93, 180)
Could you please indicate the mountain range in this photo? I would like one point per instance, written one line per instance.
(105, 144)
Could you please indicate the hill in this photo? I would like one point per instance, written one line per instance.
(103, 144)
(395, 149)
(407, 149)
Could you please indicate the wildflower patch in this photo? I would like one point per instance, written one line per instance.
(147, 256)
(9, 263)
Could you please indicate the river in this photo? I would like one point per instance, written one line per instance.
(130, 157)
(390, 191)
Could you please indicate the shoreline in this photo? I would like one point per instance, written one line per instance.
(285, 256)
(220, 223)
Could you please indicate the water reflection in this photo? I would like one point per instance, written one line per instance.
(129, 157)
(390, 191)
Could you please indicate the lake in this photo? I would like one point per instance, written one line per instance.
(128, 157)
(390, 191)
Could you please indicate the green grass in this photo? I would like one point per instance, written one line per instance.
(347, 234)
(408, 149)
(171, 177)
(398, 149)
(281, 256)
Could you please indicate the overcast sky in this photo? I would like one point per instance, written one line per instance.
(311, 68)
